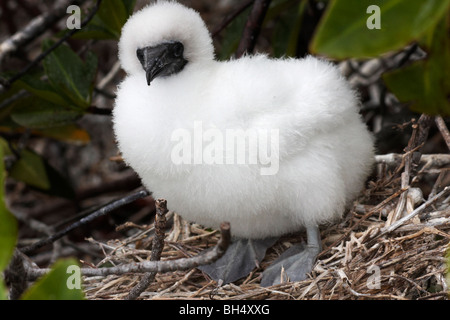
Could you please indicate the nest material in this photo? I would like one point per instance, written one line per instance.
(358, 261)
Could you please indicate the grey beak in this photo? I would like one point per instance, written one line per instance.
(161, 60)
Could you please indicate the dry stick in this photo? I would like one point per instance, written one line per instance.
(412, 159)
(96, 214)
(35, 27)
(418, 210)
(6, 84)
(15, 276)
(157, 248)
(443, 129)
(430, 160)
(155, 266)
(253, 27)
(368, 214)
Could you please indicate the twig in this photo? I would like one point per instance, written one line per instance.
(99, 111)
(35, 27)
(15, 275)
(109, 76)
(101, 212)
(252, 27)
(431, 160)
(176, 284)
(418, 210)
(157, 248)
(6, 84)
(231, 17)
(440, 123)
(368, 214)
(156, 266)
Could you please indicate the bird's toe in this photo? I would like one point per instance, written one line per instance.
(241, 257)
(293, 265)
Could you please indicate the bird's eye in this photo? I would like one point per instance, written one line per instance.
(178, 49)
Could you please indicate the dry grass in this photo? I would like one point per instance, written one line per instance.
(358, 262)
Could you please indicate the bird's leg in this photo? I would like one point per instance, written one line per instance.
(296, 262)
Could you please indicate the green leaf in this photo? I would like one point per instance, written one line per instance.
(3, 290)
(231, 35)
(425, 84)
(56, 285)
(36, 172)
(288, 15)
(69, 133)
(30, 168)
(35, 113)
(69, 74)
(8, 224)
(109, 20)
(42, 89)
(343, 31)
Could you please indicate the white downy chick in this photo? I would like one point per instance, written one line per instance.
(177, 104)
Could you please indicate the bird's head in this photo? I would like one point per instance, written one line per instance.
(162, 38)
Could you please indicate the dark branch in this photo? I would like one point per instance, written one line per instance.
(36, 27)
(6, 84)
(156, 266)
(253, 27)
(96, 214)
(157, 248)
(231, 17)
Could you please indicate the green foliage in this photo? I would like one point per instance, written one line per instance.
(425, 83)
(109, 20)
(51, 110)
(54, 285)
(231, 36)
(36, 172)
(30, 169)
(343, 33)
(69, 75)
(8, 229)
(36, 113)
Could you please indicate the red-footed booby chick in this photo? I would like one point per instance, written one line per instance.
(271, 146)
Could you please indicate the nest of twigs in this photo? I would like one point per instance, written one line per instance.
(391, 244)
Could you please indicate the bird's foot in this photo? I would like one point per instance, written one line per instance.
(296, 262)
(241, 257)
(293, 265)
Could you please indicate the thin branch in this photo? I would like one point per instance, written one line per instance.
(15, 276)
(157, 248)
(35, 27)
(431, 160)
(253, 27)
(6, 84)
(367, 215)
(98, 213)
(418, 210)
(156, 266)
(231, 17)
(99, 111)
(443, 129)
